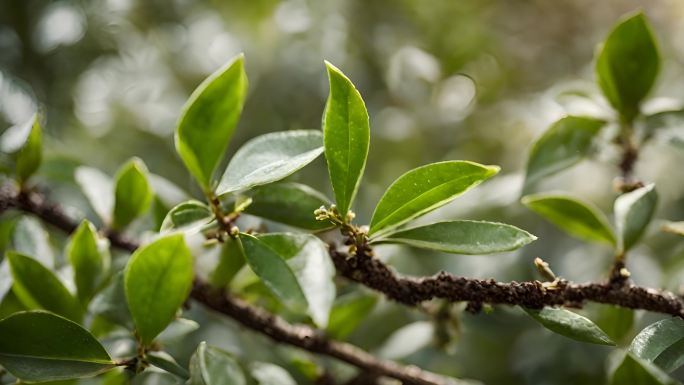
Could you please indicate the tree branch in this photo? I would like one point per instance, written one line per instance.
(252, 317)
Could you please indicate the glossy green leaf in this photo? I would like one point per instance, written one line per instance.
(348, 312)
(661, 343)
(309, 259)
(634, 371)
(98, 188)
(462, 237)
(132, 194)
(87, 261)
(563, 145)
(289, 203)
(627, 64)
(157, 281)
(208, 120)
(211, 366)
(29, 237)
(674, 228)
(577, 218)
(633, 213)
(569, 324)
(269, 158)
(41, 346)
(346, 133)
(185, 214)
(38, 288)
(164, 361)
(616, 321)
(269, 374)
(274, 272)
(31, 154)
(426, 188)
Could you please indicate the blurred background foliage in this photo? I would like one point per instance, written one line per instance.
(471, 79)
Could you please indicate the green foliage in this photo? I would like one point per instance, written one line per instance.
(661, 343)
(133, 194)
(571, 325)
(633, 371)
(157, 282)
(41, 346)
(187, 214)
(346, 133)
(88, 263)
(627, 65)
(348, 312)
(209, 119)
(212, 366)
(577, 218)
(633, 213)
(424, 189)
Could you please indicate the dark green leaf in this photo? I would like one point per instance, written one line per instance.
(462, 237)
(164, 361)
(132, 193)
(157, 282)
(563, 145)
(571, 325)
(289, 203)
(348, 312)
(634, 371)
(347, 137)
(270, 158)
(424, 189)
(39, 288)
(99, 189)
(661, 343)
(209, 118)
(577, 218)
(628, 64)
(616, 321)
(308, 257)
(211, 366)
(633, 213)
(40, 346)
(187, 214)
(87, 261)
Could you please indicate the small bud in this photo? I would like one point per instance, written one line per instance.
(234, 231)
(625, 273)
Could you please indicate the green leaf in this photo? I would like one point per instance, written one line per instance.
(98, 189)
(38, 288)
(88, 263)
(30, 238)
(231, 260)
(674, 228)
(270, 158)
(348, 312)
(616, 321)
(577, 218)
(634, 371)
(208, 120)
(29, 157)
(407, 340)
(5, 279)
(569, 324)
(133, 193)
(424, 189)
(462, 237)
(289, 203)
(164, 361)
(111, 305)
(274, 272)
(308, 257)
(269, 374)
(187, 214)
(157, 281)
(633, 213)
(563, 145)
(346, 133)
(661, 343)
(628, 64)
(211, 366)
(40, 346)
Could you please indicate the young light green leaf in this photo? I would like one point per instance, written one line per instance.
(274, 272)
(157, 282)
(30, 238)
(633, 213)
(165, 361)
(208, 120)
(41, 346)
(661, 343)
(132, 193)
(98, 189)
(563, 145)
(577, 218)
(187, 214)
(346, 132)
(269, 374)
(627, 64)
(38, 288)
(424, 189)
(347, 313)
(462, 237)
(211, 366)
(569, 324)
(231, 260)
(289, 203)
(634, 371)
(87, 261)
(270, 158)
(309, 259)
(674, 228)
(29, 157)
